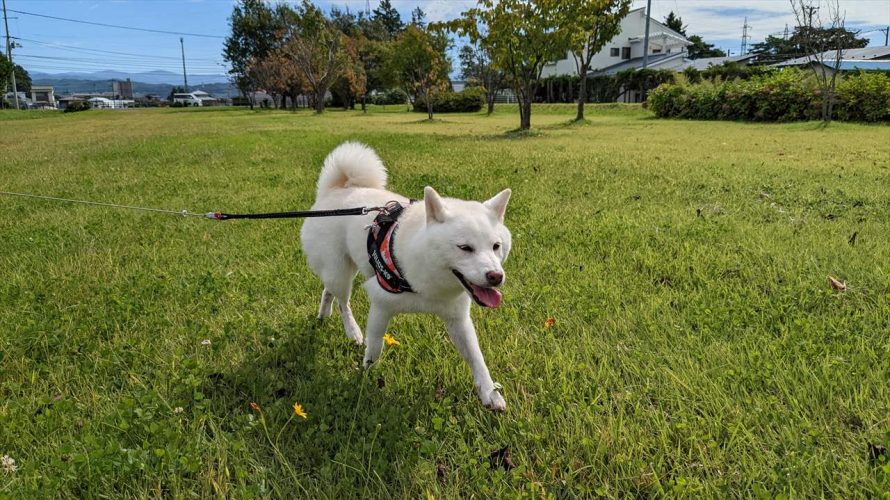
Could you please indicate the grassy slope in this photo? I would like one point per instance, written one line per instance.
(696, 345)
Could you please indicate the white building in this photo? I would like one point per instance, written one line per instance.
(104, 103)
(667, 49)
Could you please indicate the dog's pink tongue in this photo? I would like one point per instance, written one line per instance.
(490, 297)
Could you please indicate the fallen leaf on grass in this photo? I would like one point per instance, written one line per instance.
(549, 322)
(440, 392)
(441, 470)
(837, 284)
(501, 458)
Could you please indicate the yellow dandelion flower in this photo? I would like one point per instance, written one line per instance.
(390, 340)
(299, 411)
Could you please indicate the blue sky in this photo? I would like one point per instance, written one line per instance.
(58, 46)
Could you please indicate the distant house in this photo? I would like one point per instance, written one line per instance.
(43, 96)
(105, 103)
(195, 98)
(625, 51)
(868, 58)
(667, 50)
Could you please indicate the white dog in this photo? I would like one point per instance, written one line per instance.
(432, 256)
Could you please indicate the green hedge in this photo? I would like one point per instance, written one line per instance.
(75, 106)
(787, 95)
(469, 101)
(388, 97)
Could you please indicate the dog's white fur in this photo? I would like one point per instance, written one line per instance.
(426, 246)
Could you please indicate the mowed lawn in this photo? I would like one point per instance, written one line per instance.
(695, 348)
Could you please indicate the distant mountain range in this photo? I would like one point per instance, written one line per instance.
(158, 76)
(158, 83)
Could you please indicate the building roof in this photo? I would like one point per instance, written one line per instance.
(656, 61)
(866, 54)
(857, 64)
(704, 63)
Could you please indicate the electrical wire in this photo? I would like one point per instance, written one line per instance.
(148, 30)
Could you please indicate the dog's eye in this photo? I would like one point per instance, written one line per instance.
(465, 248)
(496, 247)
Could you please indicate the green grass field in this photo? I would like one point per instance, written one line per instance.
(697, 348)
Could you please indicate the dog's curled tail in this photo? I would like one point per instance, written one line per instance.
(351, 164)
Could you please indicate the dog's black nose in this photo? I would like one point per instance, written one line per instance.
(494, 278)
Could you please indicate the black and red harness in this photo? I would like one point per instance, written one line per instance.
(380, 248)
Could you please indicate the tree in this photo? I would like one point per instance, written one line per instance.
(255, 31)
(418, 17)
(22, 78)
(388, 20)
(316, 46)
(700, 48)
(353, 81)
(776, 49)
(476, 68)
(520, 36)
(823, 41)
(418, 63)
(589, 25)
(675, 23)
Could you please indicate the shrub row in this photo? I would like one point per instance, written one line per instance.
(388, 97)
(469, 100)
(782, 96)
(75, 106)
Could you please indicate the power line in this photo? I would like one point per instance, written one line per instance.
(181, 33)
(87, 50)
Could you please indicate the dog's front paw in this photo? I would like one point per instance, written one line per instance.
(492, 398)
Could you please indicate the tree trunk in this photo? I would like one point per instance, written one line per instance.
(490, 103)
(429, 104)
(319, 101)
(525, 113)
(364, 103)
(582, 96)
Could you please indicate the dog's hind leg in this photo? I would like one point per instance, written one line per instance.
(327, 301)
(338, 282)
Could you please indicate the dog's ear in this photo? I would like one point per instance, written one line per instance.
(498, 203)
(435, 210)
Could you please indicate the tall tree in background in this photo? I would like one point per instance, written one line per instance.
(316, 46)
(776, 49)
(588, 25)
(255, 32)
(675, 23)
(418, 63)
(822, 51)
(521, 36)
(476, 68)
(388, 20)
(22, 78)
(699, 47)
(418, 17)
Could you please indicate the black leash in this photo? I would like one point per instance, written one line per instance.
(219, 215)
(297, 214)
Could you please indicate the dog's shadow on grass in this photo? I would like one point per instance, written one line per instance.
(356, 429)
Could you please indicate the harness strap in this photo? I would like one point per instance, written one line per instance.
(380, 249)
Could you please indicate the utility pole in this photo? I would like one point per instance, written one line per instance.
(886, 35)
(646, 40)
(185, 79)
(745, 36)
(15, 91)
